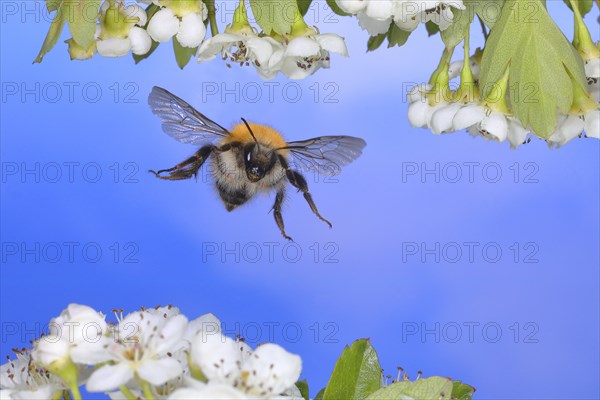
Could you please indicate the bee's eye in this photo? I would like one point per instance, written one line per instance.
(248, 156)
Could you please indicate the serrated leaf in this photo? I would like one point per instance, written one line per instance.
(150, 11)
(541, 61)
(303, 387)
(303, 6)
(585, 6)
(336, 9)
(52, 36)
(375, 41)
(488, 10)
(432, 28)
(357, 373)
(434, 388)
(182, 54)
(461, 391)
(274, 16)
(82, 15)
(397, 36)
(455, 33)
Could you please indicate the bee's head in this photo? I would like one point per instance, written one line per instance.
(258, 161)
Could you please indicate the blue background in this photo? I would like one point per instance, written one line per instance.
(375, 289)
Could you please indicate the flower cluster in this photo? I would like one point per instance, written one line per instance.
(435, 107)
(151, 353)
(123, 29)
(297, 55)
(376, 16)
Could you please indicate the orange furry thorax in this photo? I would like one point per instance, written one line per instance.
(264, 135)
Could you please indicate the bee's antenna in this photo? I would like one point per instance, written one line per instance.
(250, 130)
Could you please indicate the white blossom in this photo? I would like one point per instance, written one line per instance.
(568, 128)
(304, 55)
(185, 23)
(409, 13)
(143, 346)
(120, 32)
(592, 124)
(243, 49)
(21, 378)
(267, 371)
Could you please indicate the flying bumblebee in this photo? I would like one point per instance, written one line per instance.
(250, 158)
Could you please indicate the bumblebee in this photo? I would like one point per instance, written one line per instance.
(250, 158)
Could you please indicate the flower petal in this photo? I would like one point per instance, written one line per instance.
(171, 335)
(271, 369)
(210, 391)
(468, 116)
(219, 357)
(113, 47)
(140, 40)
(333, 43)
(351, 6)
(109, 377)
(517, 134)
(373, 26)
(159, 371)
(494, 126)
(592, 124)
(302, 47)
(381, 10)
(191, 30)
(417, 114)
(441, 119)
(163, 25)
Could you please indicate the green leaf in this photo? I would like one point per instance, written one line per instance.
(274, 15)
(303, 6)
(319, 395)
(150, 11)
(460, 391)
(585, 6)
(455, 33)
(397, 36)
(53, 5)
(434, 388)
(183, 55)
(82, 16)
(336, 9)
(303, 387)
(488, 10)
(52, 36)
(432, 28)
(541, 61)
(375, 41)
(357, 373)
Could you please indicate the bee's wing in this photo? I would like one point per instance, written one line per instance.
(181, 121)
(325, 154)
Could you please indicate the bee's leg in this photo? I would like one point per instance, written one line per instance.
(277, 212)
(187, 168)
(298, 181)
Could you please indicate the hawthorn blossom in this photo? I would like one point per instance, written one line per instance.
(182, 20)
(376, 16)
(143, 346)
(409, 13)
(304, 55)
(22, 378)
(265, 372)
(243, 49)
(120, 30)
